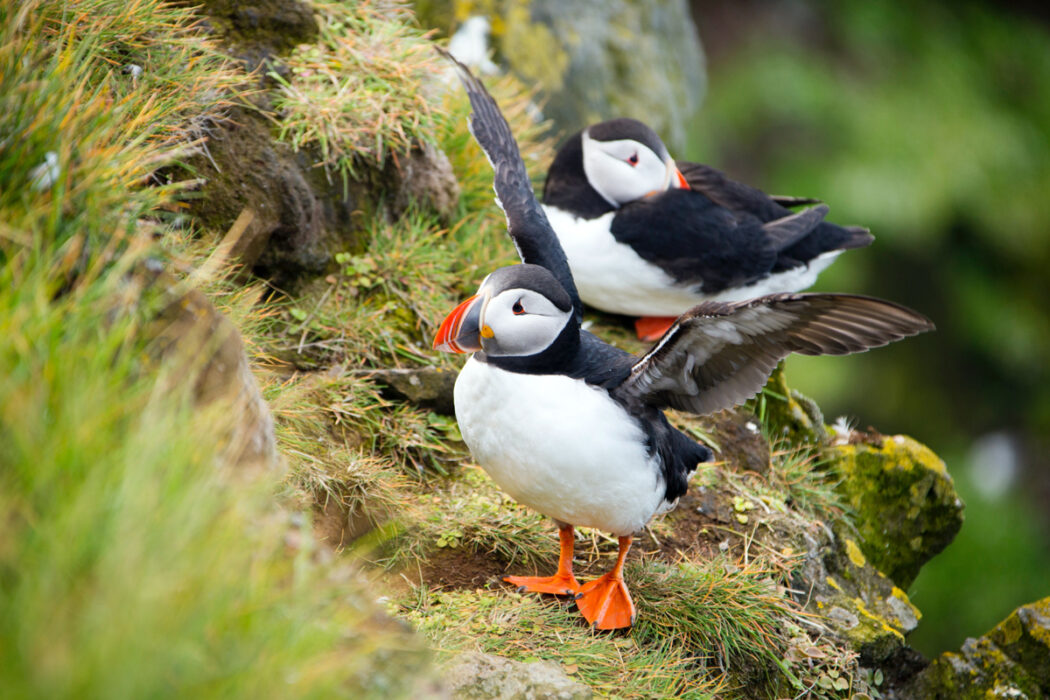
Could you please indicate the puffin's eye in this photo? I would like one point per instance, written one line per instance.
(518, 309)
(633, 160)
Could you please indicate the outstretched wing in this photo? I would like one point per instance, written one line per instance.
(526, 222)
(717, 355)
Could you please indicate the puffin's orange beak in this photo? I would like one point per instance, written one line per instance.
(681, 182)
(461, 331)
(673, 179)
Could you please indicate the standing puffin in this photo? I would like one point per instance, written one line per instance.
(646, 237)
(573, 427)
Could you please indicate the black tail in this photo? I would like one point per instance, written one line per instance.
(826, 237)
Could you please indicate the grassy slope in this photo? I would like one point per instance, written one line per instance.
(731, 624)
(130, 566)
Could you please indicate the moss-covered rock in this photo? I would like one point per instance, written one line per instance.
(596, 59)
(1011, 661)
(256, 31)
(857, 601)
(867, 609)
(905, 506)
(263, 171)
(1024, 636)
(198, 345)
(245, 171)
(429, 387)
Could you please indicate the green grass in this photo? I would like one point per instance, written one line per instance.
(469, 515)
(722, 631)
(517, 625)
(131, 563)
(357, 96)
(65, 90)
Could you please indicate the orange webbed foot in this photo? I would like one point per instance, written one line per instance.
(558, 584)
(606, 603)
(650, 328)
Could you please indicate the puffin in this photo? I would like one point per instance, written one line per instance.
(649, 237)
(575, 428)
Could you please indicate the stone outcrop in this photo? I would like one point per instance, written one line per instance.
(598, 59)
(301, 214)
(477, 676)
(198, 345)
(1010, 661)
(905, 506)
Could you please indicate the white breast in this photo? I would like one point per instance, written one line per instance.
(559, 446)
(792, 280)
(610, 276)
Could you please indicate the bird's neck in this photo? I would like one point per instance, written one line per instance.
(556, 358)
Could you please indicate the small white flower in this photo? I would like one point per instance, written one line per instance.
(843, 430)
(46, 174)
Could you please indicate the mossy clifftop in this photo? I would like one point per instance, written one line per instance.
(764, 582)
(903, 502)
(1010, 661)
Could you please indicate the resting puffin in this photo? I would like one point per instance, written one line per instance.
(646, 237)
(574, 427)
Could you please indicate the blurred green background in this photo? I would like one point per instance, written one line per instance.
(931, 125)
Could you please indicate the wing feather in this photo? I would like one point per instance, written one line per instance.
(527, 223)
(717, 355)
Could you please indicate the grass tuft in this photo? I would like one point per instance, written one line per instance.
(519, 627)
(131, 564)
(357, 95)
(728, 617)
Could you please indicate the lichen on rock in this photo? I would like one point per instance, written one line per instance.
(597, 59)
(1010, 661)
(789, 415)
(904, 504)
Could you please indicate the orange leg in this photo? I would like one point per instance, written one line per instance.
(605, 601)
(650, 328)
(561, 583)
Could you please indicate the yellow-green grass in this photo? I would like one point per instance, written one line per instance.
(702, 629)
(356, 97)
(131, 563)
(133, 566)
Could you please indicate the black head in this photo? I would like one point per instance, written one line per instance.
(521, 318)
(625, 129)
(608, 165)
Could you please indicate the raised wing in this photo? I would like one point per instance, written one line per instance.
(526, 222)
(717, 355)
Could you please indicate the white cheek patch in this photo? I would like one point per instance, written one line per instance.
(526, 333)
(616, 180)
